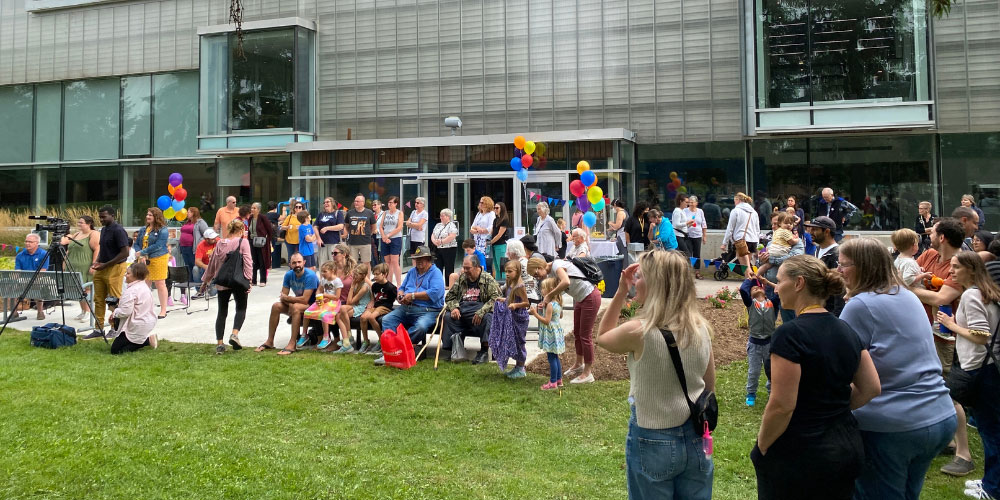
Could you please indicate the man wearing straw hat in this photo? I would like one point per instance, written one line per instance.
(421, 296)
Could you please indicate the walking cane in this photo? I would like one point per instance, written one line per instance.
(438, 322)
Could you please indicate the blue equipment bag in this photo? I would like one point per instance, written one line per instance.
(53, 335)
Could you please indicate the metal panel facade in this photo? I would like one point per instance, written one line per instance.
(667, 69)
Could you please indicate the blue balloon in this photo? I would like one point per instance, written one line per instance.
(178, 205)
(589, 218)
(588, 177)
(515, 164)
(163, 202)
(522, 175)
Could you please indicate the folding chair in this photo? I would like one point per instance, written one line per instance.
(180, 279)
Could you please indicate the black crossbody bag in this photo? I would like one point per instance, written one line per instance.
(706, 408)
(965, 387)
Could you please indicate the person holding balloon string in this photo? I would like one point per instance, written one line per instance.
(151, 249)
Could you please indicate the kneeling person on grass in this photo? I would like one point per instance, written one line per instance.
(302, 283)
(135, 313)
(469, 307)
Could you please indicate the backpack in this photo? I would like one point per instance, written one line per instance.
(230, 273)
(588, 267)
(53, 335)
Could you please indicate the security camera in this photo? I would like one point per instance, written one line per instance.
(454, 123)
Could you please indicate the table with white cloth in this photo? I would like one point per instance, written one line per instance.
(598, 248)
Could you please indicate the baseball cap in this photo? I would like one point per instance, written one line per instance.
(421, 251)
(822, 222)
(210, 234)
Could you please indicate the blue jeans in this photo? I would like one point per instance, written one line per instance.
(555, 367)
(757, 355)
(988, 423)
(291, 248)
(897, 462)
(664, 464)
(188, 254)
(417, 320)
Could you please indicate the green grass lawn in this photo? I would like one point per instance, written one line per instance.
(180, 422)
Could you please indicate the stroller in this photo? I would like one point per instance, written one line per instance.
(722, 263)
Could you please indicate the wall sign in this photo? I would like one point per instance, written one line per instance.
(43, 5)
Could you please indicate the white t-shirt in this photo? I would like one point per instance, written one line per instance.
(331, 288)
(909, 269)
(418, 235)
(579, 287)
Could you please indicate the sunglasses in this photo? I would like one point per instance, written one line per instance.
(336, 252)
(299, 206)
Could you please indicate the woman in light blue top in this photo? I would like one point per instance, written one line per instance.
(913, 419)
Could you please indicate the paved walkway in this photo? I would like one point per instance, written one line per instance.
(199, 327)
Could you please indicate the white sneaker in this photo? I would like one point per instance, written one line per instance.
(81, 317)
(974, 483)
(978, 492)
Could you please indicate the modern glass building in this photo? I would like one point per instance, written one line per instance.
(101, 100)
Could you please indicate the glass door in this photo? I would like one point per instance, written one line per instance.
(542, 187)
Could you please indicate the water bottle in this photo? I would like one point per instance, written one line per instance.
(706, 441)
(946, 309)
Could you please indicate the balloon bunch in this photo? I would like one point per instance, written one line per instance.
(676, 185)
(589, 196)
(173, 205)
(523, 159)
(376, 188)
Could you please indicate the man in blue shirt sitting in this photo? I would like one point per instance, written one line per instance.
(30, 259)
(421, 296)
(298, 292)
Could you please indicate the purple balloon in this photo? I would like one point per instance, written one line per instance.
(176, 179)
(518, 153)
(582, 203)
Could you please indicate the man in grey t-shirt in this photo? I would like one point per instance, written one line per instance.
(360, 222)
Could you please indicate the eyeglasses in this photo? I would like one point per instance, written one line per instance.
(844, 266)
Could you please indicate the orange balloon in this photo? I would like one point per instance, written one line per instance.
(171, 189)
(519, 142)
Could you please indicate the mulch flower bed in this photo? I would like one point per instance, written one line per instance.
(729, 343)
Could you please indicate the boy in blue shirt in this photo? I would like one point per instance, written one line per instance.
(307, 240)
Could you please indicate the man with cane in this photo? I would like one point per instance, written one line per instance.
(109, 269)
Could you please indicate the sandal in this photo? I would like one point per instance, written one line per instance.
(285, 352)
(263, 347)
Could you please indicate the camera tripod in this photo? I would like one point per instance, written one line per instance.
(57, 258)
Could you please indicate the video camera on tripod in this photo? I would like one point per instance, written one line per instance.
(57, 229)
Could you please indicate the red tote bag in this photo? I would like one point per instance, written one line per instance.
(397, 348)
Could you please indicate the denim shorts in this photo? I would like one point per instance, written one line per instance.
(394, 247)
(310, 260)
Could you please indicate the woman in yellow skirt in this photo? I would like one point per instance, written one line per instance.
(151, 248)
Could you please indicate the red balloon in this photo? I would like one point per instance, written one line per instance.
(577, 188)
(526, 161)
(180, 194)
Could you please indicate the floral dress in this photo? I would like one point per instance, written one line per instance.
(507, 332)
(551, 337)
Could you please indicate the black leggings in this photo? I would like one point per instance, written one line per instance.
(257, 254)
(694, 245)
(241, 311)
(446, 260)
(682, 245)
(122, 344)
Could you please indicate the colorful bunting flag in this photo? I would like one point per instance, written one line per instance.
(732, 267)
(407, 204)
(694, 260)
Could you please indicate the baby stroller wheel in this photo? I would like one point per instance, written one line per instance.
(721, 274)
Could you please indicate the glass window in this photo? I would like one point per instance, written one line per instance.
(397, 160)
(969, 164)
(90, 119)
(92, 185)
(305, 79)
(714, 171)
(442, 159)
(138, 192)
(353, 162)
(15, 188)
(175, 127)
(234, 179)
(214, 78)
(812, 52)
(48, 121)
(47, 185)
(136, 113)
(16, 104)
(884, 176)
(270, 178)
(491, 158)
(262, 89)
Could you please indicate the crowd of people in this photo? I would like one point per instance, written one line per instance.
(881, 357)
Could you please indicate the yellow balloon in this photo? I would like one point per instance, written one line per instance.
(169, 213)
(673, 175)
(529, 147)
(682, 189)
(181, 215)
(595, 194)
(582, 167)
